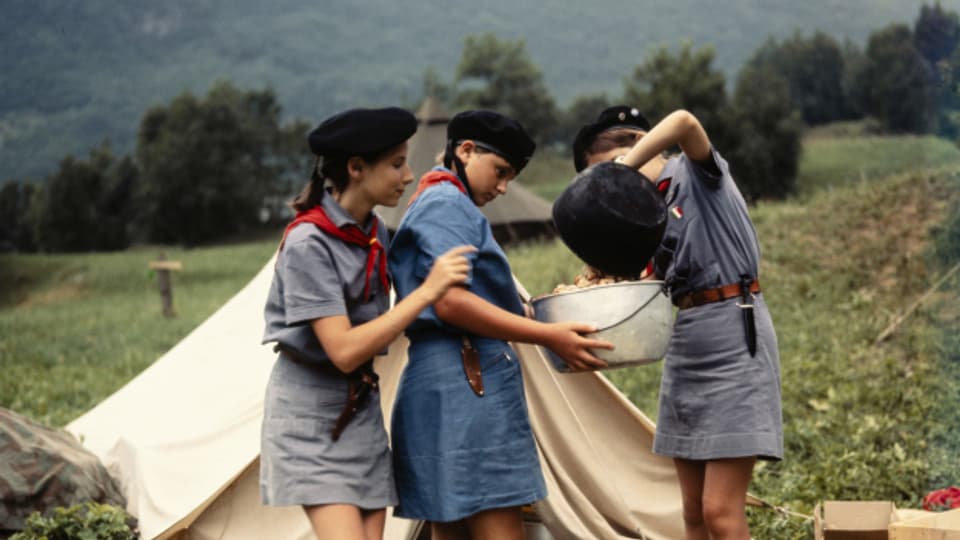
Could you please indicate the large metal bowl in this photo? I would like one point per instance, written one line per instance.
(636, 316)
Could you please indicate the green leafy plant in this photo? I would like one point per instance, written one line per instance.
(89, 521)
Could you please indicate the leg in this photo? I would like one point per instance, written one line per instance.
(373, 521)
(724, 497)
(336, 522)
(497, 524)
(452, 530)
(691, 476)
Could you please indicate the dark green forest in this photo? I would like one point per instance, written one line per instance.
(76, 73)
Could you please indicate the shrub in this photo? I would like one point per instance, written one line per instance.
(90, 521)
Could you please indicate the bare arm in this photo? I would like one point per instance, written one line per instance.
(466, 310)
(679, 127)
(350, 346)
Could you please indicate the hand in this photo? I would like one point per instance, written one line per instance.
(568, 341)
(451, 268)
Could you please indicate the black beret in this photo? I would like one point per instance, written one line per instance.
(612, 217)
(617, 117)
(495, 132)
(358, 132)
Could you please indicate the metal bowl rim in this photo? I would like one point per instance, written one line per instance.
(629, 283)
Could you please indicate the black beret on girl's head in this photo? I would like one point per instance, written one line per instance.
(493, 131)
(362, 131)
(618, 117)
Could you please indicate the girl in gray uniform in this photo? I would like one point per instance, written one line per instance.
(323, 442)
(720, 392)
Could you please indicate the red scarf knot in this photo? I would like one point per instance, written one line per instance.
(350, 234)
(434, 177)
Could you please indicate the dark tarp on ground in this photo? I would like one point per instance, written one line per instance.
(42, 468)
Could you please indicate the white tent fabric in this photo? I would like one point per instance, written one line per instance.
(183, 439)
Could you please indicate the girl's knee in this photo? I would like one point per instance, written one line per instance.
(722, 519)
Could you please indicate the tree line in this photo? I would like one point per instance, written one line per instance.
(203, 166)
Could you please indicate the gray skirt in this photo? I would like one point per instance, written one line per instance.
(300, 464)
(717, 401)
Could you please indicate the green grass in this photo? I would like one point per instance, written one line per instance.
(833, 156)
(862, 421)
(829, 161)
(75, 328)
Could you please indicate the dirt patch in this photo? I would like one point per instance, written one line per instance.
(61, 293)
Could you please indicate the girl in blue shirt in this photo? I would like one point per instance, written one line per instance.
(464, 453)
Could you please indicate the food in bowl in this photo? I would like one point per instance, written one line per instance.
(636, 316)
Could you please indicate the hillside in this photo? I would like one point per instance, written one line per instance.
(79, 72)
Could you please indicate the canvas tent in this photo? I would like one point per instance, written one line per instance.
(182, 438)
(517, 215)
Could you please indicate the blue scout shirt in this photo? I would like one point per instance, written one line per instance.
(319, 276)
(709, 239)
(442, 218)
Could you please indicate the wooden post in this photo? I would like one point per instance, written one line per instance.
(163, 268)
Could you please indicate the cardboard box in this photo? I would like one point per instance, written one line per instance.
(942, 526)
(853, 520)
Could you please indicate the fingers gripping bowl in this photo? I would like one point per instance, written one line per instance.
(636, 316)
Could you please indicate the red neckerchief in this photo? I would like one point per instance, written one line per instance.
(350, 234)
(434, 177)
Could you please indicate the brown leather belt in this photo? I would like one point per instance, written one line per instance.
(708, 296)
(359, 385)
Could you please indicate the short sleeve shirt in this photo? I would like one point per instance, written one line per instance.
(442, 218)
(709, 240)
(320, 276)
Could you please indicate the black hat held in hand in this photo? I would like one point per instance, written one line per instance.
(358, 132)
(612, 217)
(495, 132)
(618, 117)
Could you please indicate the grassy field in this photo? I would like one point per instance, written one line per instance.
(833, 157)
(74, 328)
(862, 420)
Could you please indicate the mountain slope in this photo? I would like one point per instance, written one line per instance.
(78, 72)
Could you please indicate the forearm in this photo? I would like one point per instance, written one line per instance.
(677, 128)
(350, 347)
(466, 310)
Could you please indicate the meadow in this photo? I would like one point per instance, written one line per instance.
(863, 420)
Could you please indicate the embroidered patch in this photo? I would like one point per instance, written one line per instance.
(677, 212)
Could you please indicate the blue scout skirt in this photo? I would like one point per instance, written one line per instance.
(300, 464)
(717, 401)
(455, 453)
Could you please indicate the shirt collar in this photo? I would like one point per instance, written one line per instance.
(339, 216)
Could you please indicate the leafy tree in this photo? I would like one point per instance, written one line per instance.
(936, 36)
(208, 164)
(768, 135)
(86, 205)
(665, 82)
(936, 33)
(433, 86)
(499, 75)
(814, 71)
(16, 230)
(583, 110)
(896, 84)
(758, 132)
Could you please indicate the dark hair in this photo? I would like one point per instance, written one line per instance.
(331, 168)
(614, 138)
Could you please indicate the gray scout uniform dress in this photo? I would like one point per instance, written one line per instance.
(317, 276)
(716, 400)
